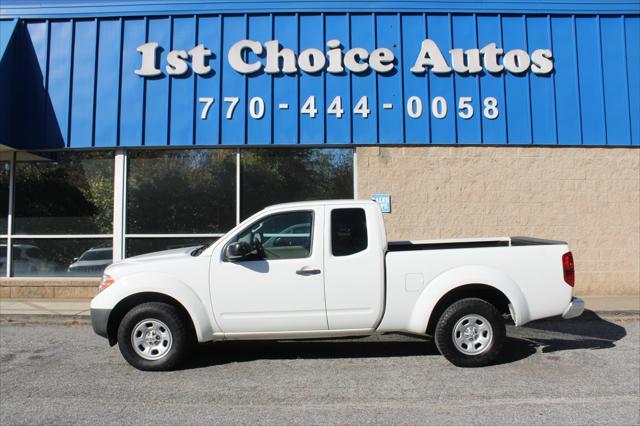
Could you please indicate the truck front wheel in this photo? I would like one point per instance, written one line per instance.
(153, 336)
(470, 333)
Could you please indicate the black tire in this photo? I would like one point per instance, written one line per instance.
(162, 314)
(470, 308)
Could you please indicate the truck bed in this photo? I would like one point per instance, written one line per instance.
(468, 243)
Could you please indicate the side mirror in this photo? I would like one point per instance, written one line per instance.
(236, 251)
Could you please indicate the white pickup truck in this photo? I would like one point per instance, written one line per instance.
(325, 269)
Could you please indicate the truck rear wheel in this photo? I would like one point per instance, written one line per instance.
(154, 337)
(470, 333)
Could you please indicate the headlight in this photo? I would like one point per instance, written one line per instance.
(105, 282)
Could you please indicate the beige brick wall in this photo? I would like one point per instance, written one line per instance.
(589, 197)
(48, 288)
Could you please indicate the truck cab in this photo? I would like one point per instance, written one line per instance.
(301, 268)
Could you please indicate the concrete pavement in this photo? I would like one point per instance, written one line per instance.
(572, 372)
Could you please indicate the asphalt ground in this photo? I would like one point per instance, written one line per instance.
(583, 371)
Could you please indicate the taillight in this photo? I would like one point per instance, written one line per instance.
(568, 269)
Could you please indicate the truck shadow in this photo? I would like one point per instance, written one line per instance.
(590, 331)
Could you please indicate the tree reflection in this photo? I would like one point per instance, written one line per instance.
(181, 191)
(270, 176)
(65, 193)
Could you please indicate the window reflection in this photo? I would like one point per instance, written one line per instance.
(271, 176)
(4, 195)
(138, 246)
(189, 191)
(60, 257)
(181, 191)
(64, 193)
(3, 258)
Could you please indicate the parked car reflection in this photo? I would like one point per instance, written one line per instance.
(92, 261)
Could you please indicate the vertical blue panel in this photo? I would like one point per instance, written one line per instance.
(517, 86)
(131, 98)
(10, 82)
(208, 130)
(543, 106)
(82, 102)
(108, 84)
(443, 130)
(157, 88)
(183, 102)
(38, 36)
(312, 129)
(35, 108)
(492, 85)
(365, 130)
(338, 130)
(632, 25)
(590, 70)
(464, 37)
(390, 125)
(57, 117)
(413, 32)
(6, 32)
(615, 83)
(233, 83)
(566, 78)
(285, 86)
(259, 86)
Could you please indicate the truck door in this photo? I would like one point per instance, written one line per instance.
(354, 267)
(279, 287)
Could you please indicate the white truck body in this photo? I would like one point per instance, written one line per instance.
(383, 287)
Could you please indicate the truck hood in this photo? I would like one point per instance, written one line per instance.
(162, 255)
(167, 261)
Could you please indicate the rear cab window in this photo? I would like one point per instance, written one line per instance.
(348, 231)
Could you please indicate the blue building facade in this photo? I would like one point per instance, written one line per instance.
(68, 74)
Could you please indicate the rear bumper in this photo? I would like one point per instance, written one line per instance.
(574, 309)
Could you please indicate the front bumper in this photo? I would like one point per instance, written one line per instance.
(100, 321)
(574, 309)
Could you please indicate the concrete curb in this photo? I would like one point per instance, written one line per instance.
(76, 311)
(45, 319)
(619, 315)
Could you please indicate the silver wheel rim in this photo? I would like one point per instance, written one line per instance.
(151, 339)
(472, 334)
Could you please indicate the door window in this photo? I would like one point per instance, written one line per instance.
(348, 231)
(280, 236)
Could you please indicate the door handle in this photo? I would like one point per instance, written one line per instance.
(305, 272)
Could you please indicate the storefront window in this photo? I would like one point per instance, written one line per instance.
(137, 246)
(64, 200)
(4, 195)
(3, 258)
(64, 193)
(270, 176)
(60, 257)
(181, 191)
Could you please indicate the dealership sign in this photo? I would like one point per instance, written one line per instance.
(244, 57)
